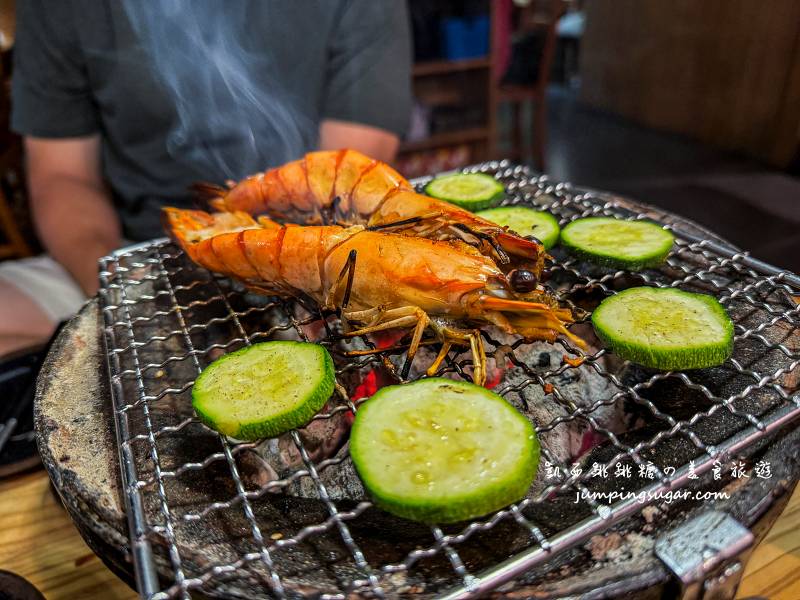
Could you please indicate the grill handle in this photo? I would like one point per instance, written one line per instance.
(707, 554)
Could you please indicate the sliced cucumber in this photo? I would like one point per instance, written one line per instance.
(665, 329)
(473, 191)
(264, 390)
(616, 243)
(526, 221)
(442, 451)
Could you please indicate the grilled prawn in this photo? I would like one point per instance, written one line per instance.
(348, 188)
(375, 280)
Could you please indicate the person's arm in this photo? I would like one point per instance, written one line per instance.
(367, 100)
(54, 108)
(71, 206)
(374, 142)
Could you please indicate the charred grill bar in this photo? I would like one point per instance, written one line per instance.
(288, 515)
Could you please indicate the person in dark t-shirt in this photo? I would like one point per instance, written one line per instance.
(123, 104)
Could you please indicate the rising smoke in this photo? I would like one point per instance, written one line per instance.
(233, 118)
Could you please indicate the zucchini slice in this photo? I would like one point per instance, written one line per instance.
(442, 451)
(473, 191)
(665, 328)
(526, 221)
(264, 390)
(631, 245)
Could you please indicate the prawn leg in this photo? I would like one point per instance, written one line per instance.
(406, 316)
(380, 319)
(462, 337)
(345, 279)
(405, 223)
(439, 358)
(390, 349)
(432, 223)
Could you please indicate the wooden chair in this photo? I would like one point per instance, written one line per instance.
(12, 241)
(537, 16)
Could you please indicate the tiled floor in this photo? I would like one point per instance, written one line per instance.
(753, 206)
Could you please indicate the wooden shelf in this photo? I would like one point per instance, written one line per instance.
(459, 97)
(448, 138)
(442, 67)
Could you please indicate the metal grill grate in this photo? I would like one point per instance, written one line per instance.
(211, 515)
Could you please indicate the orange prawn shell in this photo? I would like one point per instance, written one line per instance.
(391, 270)
(320, 175)
(396, 270)
(350, 168)
(294, 177)
(299, 258)
(368, 191)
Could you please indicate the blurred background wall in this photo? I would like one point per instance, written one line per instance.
(726, 72)
(692, 106)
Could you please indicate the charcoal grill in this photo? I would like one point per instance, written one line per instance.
(209, 516)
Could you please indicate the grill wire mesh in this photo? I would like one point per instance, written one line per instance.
(166, 319)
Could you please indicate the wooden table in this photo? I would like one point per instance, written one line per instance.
(38, 541)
